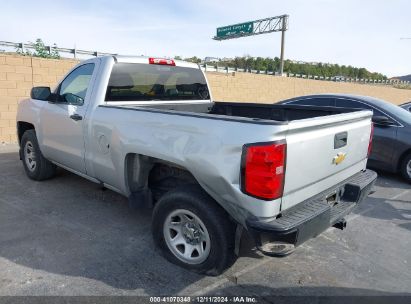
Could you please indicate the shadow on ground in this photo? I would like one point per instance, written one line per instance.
(395, 210)
(70, 226)
(389, 180)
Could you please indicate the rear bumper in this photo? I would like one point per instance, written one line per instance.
(279, 236)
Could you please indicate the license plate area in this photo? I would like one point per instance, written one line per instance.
(332, 199)
(335, 197)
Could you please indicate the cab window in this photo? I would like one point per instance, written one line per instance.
(150, 82)
(349, 103)
(77, 82)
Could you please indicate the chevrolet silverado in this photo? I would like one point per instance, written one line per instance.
(148, 128)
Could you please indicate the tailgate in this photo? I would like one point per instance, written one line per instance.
(323, 151)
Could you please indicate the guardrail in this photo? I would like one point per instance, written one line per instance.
(209, 68)
(219, 69)
(23, 46)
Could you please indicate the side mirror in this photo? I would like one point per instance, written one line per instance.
(73, 99)
(40, 93)
(381, 120)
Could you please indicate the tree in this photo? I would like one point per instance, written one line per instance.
(249, 63)
(362, 73)
(194, 59)
(41, 50)
(259, 64)
(314, 69)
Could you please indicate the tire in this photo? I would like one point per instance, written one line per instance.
(209, 228)
(36, 166)
(405, 168)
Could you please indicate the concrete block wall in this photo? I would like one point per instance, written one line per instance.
(18, 74)
(245, 87)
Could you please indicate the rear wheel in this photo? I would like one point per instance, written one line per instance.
(192, 231)
(36, 166)
(186, 236)
(406, 168)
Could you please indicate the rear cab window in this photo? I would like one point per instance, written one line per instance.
(151, 82)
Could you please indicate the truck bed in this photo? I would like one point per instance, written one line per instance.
(311, 133)
(275, 113)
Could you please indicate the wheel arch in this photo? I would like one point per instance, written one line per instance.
(152, 177)
(144, 173)
(23, 126)
(402, 157)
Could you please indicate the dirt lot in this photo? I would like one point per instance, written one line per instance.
(67, 236)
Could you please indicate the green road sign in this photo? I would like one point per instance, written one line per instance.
(256, 27)
(236, 29)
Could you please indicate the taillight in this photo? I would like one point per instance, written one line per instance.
(161, 61)
(370, 142)
(263, 169)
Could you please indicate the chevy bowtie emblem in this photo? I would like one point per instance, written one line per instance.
(339, 158)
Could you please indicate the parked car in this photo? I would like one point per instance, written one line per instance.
(392, 133)
(406, 106)
(149, 129)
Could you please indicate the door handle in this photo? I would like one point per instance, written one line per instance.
(340, 140)
(76, 117)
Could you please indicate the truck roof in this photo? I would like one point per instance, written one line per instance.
(145, 59)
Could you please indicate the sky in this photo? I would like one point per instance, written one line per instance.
(361, 33)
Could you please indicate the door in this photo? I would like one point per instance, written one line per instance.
(62, 123)
(385, 135)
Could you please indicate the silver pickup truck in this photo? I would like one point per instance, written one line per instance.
(148, 128)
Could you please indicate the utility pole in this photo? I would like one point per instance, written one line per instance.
(284, 28)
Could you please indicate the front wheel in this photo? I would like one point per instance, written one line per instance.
(192, 231)
(405, 167)
(36, 166)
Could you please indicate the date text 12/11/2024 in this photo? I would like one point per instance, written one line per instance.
(203, 299)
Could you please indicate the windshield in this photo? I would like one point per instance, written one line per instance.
(147, 82)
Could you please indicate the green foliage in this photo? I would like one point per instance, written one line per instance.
(194, 59)
(41, 50)
(25, 53)
(402, 86)
(317, 69)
